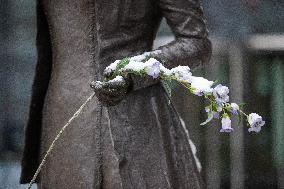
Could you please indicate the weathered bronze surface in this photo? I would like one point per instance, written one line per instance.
(138, 143)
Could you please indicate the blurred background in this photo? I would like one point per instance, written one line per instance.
(248, 56)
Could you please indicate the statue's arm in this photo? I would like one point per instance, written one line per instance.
(191, 46)
(39, 89)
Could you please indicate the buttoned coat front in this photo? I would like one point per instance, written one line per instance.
(139, 143)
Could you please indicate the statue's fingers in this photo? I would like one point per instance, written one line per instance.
(115, 84)
(113, 92)
(108, 100)
(96, 85)
(108, 73)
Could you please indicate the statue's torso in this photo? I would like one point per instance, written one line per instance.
(86, 36)
(141, 144)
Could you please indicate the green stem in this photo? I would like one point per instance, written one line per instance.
(243, 113)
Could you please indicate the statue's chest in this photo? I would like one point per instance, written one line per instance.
(105, 15)
(97, 29)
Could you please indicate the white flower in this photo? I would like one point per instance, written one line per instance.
(118, 79)
(201, 85)
(226, 124)
(153, 67)
(138, 58)
(141, 57)
(182, 73)
(220, 93)
(165, 71)
(134, 66)
(234, 108)
(111, 67)
(255, 122)
(207, 109)
(219, 108)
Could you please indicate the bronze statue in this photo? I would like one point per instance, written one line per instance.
(130, 138)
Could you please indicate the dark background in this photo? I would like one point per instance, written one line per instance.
(255, 75)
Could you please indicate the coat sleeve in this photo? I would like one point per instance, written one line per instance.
(30, 159)
(191, 46)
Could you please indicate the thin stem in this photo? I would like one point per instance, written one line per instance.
(243, 112)
(76, 114)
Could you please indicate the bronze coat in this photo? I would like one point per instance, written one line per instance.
(139, 143)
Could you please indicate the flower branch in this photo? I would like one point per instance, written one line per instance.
(217, 95)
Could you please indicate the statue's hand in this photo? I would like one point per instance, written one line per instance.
(108, 73)
(110, 93)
